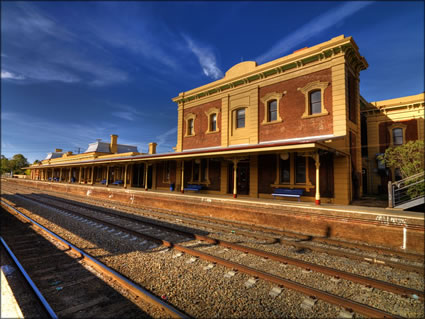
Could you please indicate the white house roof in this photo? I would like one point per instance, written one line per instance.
(54, 155)
(103, 147)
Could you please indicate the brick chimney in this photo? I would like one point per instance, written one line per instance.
(152, 148)
(113, 146)
(58, 150)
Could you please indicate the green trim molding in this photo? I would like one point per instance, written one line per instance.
(348, 49)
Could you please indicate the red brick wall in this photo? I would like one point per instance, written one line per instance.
(266, 173)
(160, 174)
(201, 139)
(384, 134)
(292, 107)
(214, 175)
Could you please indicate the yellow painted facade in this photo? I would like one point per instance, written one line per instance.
(399, 112)
(327, 67)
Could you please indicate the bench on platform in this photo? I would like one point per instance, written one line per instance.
(286, 192)
(118, 182)
(193, 187)
(103, 181)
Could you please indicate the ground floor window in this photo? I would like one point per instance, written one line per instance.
(292, 170)
(300, 169)
(166, 172)
(199, 172)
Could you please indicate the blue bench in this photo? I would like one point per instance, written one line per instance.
(103, 181)
(193, 187)
(286, 192)
(118, 182)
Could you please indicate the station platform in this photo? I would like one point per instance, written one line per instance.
(391, 228)
(9, 306)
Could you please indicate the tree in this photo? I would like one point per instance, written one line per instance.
(17, 162)
(408, 158)
(4, 165)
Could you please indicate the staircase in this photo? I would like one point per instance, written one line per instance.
(408, 192)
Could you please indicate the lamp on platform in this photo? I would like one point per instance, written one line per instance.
(284, 156)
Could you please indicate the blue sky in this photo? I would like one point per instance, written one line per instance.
(75, 72)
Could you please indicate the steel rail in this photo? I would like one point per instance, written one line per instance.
(309, 291)
(37, 292)
(99, 266)
(296, 244)
(379, 284)
(381, 250)
(300, 244)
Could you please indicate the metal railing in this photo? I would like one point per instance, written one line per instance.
(406, 190)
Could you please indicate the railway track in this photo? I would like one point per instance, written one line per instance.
(355, 251)
(68, 281)
(309, 291)
(185, 235)
(301, 240)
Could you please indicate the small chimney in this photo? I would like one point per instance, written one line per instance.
(113, 146)
(152, 148)
(58, 150)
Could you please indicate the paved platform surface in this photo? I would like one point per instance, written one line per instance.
(9, 306)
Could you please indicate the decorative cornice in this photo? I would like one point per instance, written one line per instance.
(353, 58)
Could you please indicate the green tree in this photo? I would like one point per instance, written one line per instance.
(409, 159)
(4, 165)
(17, 162)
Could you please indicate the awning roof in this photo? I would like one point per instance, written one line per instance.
(234, 150)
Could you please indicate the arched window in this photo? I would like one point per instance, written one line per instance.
(189, 130)
(213, 122)
(397, 136)
(315, 102)
(314, 93)
(272, 110)
(212, 118)
(190, 127)
(240, 118)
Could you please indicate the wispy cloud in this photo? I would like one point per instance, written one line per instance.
(42, 49)
(124, 111)
(312, 28)
(124, 115)
(164, 138)
(206, 58)
(8, 75)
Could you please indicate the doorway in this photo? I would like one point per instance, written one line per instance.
(364, 180)
(242, 178)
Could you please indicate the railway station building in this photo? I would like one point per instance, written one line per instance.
(295, 123)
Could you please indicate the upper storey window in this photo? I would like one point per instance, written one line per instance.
(397, 133)
(212, 116)
(314, 93)
(315, 102)
(213, 122)
(240, 118)
(271, 103)
(397, 136)
(190, 124)
(190, 127)
(272, 110)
